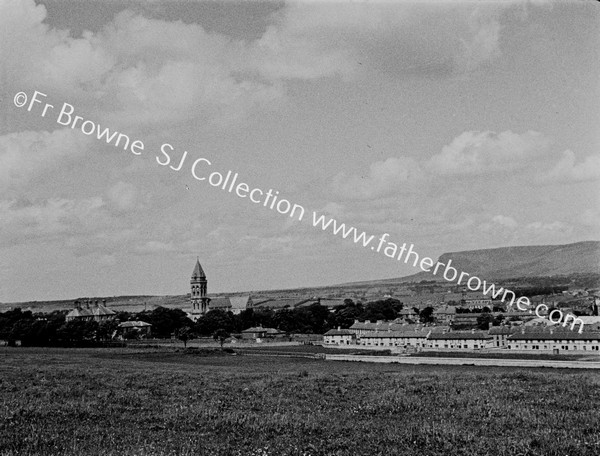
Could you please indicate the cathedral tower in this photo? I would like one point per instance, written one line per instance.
(198, 285)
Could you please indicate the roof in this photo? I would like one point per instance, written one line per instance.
(198, 271)
(589, 320)
(255, 329)
(240, 302)
(462, 335)
(219, 303)
(408, 311)
(447, 310)
(338, 332)
(134, 324)
(501, 330)
(280, 303)
(397, 335)
(476, 295)
(79, 312)
(555, 335)
(466, 316)
(102, 310)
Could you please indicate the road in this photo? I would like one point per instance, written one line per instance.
(467, 361)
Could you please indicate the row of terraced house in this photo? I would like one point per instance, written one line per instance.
(397, 335)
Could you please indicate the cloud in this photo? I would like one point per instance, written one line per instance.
(505, 221)
(23, 221)
(27, 154)
(123, 195)
(567, 171)
(471, 153)
(332, 38)
(542, 228)
(138, 70)
(394, 175)
(476, 152)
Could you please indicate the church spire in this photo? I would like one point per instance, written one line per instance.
(198, 285)
(198, 271)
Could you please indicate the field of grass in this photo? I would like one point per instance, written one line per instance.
(161, 402)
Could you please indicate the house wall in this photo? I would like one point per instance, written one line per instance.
(561, 344)
(456, 344)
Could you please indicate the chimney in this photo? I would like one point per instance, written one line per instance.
(339, 328)
(379, 322)
(356, 321)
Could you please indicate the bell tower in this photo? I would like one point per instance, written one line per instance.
(198, 284)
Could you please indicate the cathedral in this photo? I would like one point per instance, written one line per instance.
(201, 303)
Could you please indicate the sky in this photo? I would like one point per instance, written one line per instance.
(448, 125)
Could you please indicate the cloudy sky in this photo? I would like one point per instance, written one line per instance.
(451, 126)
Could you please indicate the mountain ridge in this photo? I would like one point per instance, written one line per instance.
(521, 261)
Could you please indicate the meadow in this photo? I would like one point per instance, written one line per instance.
(168, 402)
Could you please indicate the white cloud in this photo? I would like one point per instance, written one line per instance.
(328, 38)
(139, 70)
(123, 195)
(394, 175)
(476, 152)
(471, 153)
(23, 220)
(27, 154)
(567, 170)
(591, 218)
(505, 221)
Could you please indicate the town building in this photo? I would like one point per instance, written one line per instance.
(404, 339)
(139, 328)
(500, 335)
(408, 315)
(551, 339)
(258, 333)
(90, 311)
(469, 340)
(444, 315)
(339, 337)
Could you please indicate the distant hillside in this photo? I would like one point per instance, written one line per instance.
(523, 261)
(491, 264)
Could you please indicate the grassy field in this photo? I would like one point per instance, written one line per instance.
(151, 402)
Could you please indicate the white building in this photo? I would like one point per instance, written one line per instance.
(402, 339)
(459, 340)
(339, 337)
(554, 338)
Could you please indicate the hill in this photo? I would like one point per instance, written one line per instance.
(522, 261)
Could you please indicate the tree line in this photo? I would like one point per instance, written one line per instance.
(53, 329)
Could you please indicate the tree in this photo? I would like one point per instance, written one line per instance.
(184, 334)
(221, 335)
(165, 321)
(426, 315)
(213, 320)
(484, 320)
(106, 329)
